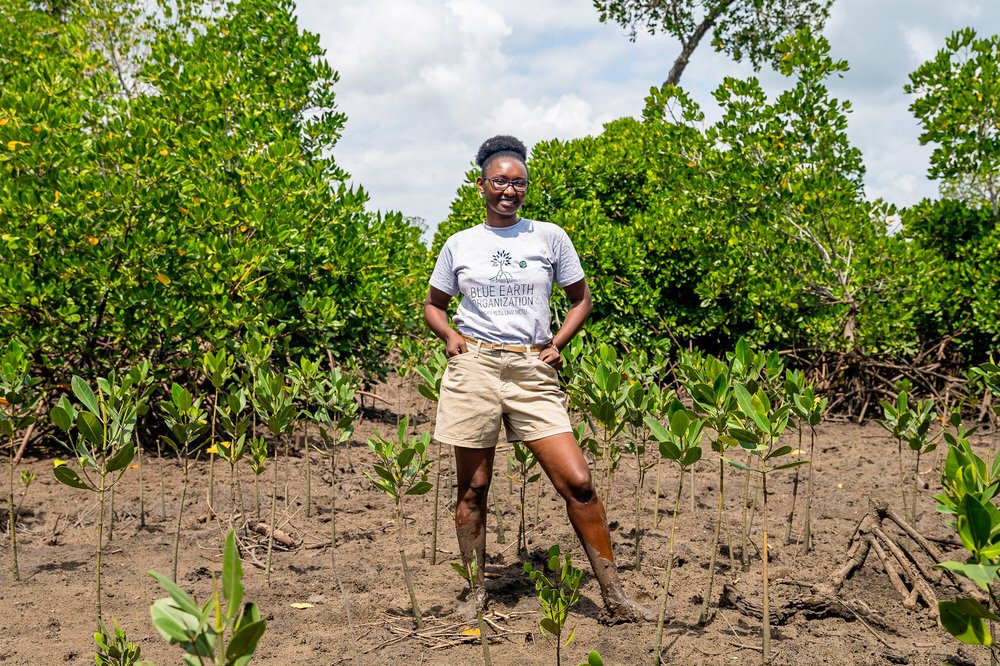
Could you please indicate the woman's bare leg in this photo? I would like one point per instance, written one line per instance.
(474, 471)
(560, 457)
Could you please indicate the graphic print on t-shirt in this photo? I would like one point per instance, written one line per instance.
(501, 297)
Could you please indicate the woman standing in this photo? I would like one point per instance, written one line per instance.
(503, 362)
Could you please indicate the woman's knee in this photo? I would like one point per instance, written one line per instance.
(577, 486)
(474, 496)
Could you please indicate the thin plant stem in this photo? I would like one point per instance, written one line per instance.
(766, 643)
(100, 543)
(807, 527)
(333, 496)
(745, 530)
(406, 570)
(482, 638)
(692, 487)
(274, 507)
(638, 509)
(163, 501)
(657, 648)
(916, 478)
(437, 504)
(180, 516)
(12, 516)
(795, 492)
(211, 457)
(111, 515)
(707, 596)
(656, 496)
(142, 493)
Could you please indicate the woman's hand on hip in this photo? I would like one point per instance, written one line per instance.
(456, 345)
(551, 356)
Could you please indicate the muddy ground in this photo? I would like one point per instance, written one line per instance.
(49, 616)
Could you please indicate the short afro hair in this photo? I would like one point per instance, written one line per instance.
(501, 145)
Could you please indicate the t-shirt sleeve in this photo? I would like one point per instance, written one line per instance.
(443, 276)
(567, 269)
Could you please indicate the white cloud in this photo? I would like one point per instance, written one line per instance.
(922, 42)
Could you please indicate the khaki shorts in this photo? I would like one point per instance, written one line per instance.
(483, 388)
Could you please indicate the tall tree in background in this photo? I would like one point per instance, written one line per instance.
(958, 105)
(740, 28)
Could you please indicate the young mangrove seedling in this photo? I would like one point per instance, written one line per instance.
(275, 405)
(601, 396)
(430, 388)
(401, 469)
(335, 419)
(18, 400)
(218, 368)
(762, 424)
(522, 461)
(234, 419)
(556, 596)
(898, 417)
(187, 421)
(808, 409)
(103, 444)
(918, 440)
(707, 381)
(223, 631)
(114, 647)
(680, 443)
(471, 575)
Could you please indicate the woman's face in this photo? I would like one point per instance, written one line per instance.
(503, 202)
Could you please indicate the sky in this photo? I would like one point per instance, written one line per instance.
(424, 82)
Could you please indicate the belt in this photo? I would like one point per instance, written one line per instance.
(505, 346)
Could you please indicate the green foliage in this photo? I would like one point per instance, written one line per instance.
(224, 630)
(166, 183)
(969, 488)
(114, 647)
(556, 595)
(740, 29)
(957, 101)
(681, 440)
(401, 468)
(185, 419)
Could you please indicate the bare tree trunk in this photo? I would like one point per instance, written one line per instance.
(691, 43)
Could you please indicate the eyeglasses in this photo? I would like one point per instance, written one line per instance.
(501, 184)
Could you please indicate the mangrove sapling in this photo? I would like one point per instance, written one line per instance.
(18, 400)
(641, 400)
(114, 647)
(707, 381)
(335, 420)
(411, 353)
(103, 445)
(218, 368)
(234, 419)
(258, 465)
(601, 396)
(680, 443)
(142, 381)
(186, 421)
(970, 487)
(556, 596)
(762, 424)
(898, 416)
(202, 630)
(813, 408)
(401, 469)
(521, 461)
(274, 404)
(470, 573)
(795, 381)
(431, 374)
(918, 440)
(306, 377)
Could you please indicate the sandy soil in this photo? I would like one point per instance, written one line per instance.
(49, 616)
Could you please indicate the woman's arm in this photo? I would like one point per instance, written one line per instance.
(579, 309)
(436, 316)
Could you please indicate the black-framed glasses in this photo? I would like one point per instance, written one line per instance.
(501, 184)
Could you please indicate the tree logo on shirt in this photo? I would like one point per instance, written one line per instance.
(501, 259)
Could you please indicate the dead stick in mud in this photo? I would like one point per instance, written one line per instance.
(893, 575)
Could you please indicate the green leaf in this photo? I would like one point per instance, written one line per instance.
(790, 465)
(85, 394)
(91, 429)
(420, 488)
(981, 574)
(594, 659)
(173, 627)
(70, 478)
(121, 459)
(656, 429)
(966, 620)
(548, 625)
(181, 598)
(679, 422)
(777, 453)
(739, 465)
(244, 641)
(232, 576)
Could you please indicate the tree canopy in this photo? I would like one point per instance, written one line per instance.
(740, 28)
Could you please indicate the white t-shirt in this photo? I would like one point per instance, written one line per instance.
(505, 276)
